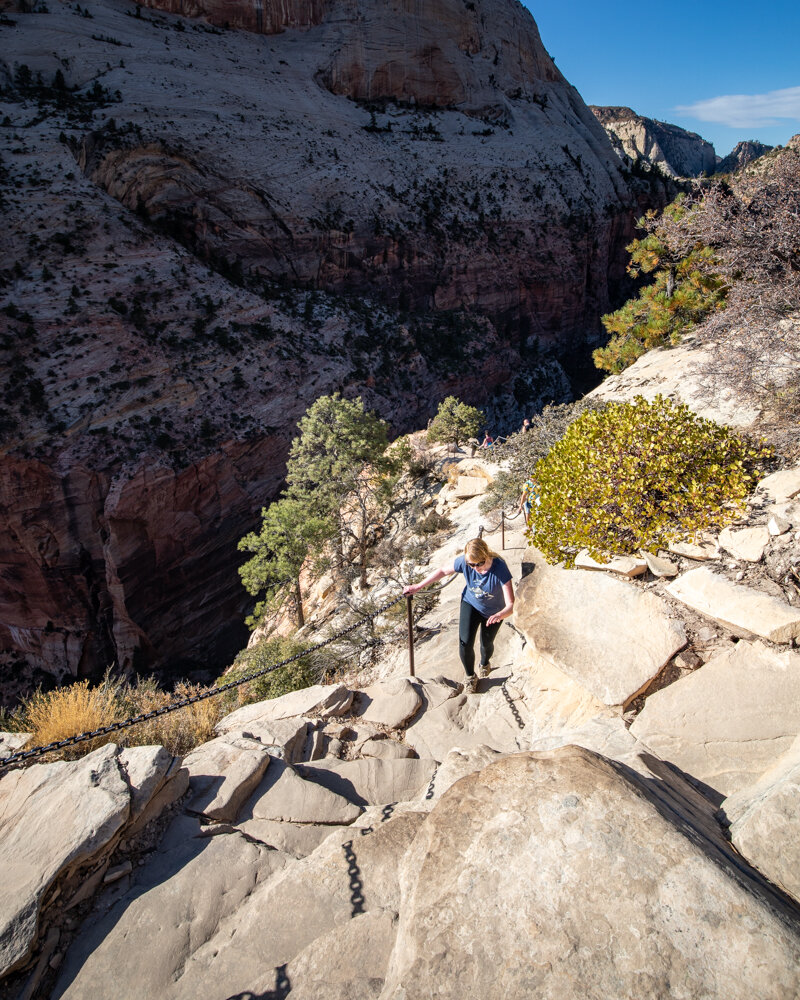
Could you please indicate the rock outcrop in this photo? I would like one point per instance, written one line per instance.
(670, 148)
(200, 277)
(742, 154)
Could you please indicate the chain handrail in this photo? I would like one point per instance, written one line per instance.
(184, 702)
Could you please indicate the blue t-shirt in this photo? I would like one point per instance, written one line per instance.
(484, 591)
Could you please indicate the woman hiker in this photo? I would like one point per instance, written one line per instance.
(487, 598)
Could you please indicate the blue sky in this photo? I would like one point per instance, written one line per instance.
(729, 71)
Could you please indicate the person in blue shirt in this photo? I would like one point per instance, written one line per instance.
(487, 598)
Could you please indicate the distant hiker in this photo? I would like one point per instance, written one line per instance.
(528, 497)
(488, 440)
(526, 425)
(487, 598)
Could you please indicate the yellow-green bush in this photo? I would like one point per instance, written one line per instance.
(635, 475)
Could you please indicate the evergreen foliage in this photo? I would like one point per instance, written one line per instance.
(289, 533)
(455, 422)
(634, 475)
(685, 290)
(293, 677)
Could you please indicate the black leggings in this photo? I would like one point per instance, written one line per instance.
(469, 622)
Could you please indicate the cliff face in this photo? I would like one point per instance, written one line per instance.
(742, 154)
(674, 150)
(395, 202)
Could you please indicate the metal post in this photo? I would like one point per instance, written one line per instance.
(410, 636)
(502, 530)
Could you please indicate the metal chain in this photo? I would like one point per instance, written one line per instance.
(184, 702)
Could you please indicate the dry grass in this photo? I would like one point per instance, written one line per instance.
(57, 715)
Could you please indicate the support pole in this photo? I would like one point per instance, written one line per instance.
(502, 529)
(410, 636)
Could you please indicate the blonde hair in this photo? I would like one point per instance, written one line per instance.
(478, 552)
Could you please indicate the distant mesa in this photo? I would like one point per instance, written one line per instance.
(672, 149)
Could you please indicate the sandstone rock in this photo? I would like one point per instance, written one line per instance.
(352, 873)
(659, 566)
(348, 962)
(763, 819)
(740, 608)
(223, 773)
(677, 373)
(52, 817)
(469, 486)
(173, 788)
(745, 543)
(778, 525)
(386, 749)
(291, 738)
(371, 781)
(323, 700)
(285, 796)
(296, 839)
(703, 551)
(146, 769)
(389, 703)
(727, 722)
(489, 718)
(742, 154)
(781, 486)
(607, 635)
(458, 763)
(175, 905)
(11, 742)
(621, 565)
(499, 863)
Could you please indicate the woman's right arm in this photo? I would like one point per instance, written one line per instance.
(437, 574)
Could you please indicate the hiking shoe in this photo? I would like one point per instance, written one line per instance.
(485, 669)
(471, 684)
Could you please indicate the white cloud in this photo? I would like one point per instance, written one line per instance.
(747, 110)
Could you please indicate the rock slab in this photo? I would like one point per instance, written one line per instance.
(738, 607)
(607, 635)
(727, 722)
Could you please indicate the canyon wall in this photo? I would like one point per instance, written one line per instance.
(208, 229)
(672, 149)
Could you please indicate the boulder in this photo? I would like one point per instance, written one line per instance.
(319, 701)
(389, 703)
(289, 737)
(505, 893)
(747, 544)
(285, 796)
(371, 781)
(53, 817)
(223, 773)
(469, 486)
(659, 566)
(746, 611)
(386, 749)
(609, 636)
(763, 819)
(728, 722)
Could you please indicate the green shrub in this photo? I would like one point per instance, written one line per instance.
(293, 677)
(455, 422)
(635, 475)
